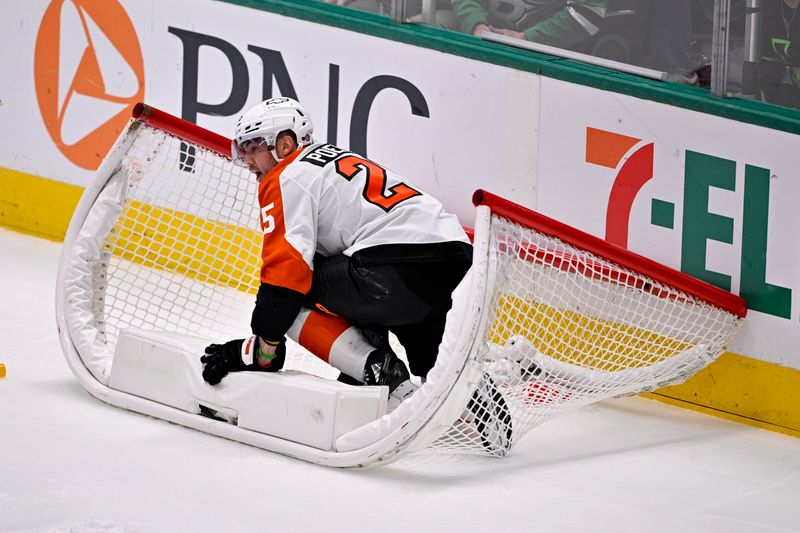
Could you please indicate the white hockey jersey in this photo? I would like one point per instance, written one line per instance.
(327, 200)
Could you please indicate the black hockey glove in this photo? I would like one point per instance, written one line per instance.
(221, 359)
(238, 355)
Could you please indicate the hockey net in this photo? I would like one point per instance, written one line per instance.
(168, 240)
(573, 320)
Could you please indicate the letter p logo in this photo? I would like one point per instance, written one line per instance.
(89, 74)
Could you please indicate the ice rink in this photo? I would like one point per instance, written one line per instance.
(70, 463)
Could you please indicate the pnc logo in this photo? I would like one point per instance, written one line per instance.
(89, 74)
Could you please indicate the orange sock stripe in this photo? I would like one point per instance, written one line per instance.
(320, 331)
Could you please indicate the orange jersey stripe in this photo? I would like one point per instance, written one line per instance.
(282, 264)
(320, 331)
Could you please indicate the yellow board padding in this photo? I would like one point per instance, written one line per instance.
(721, 414)
(580, 339)
(748, 390)
(206, 250)
(36, 205)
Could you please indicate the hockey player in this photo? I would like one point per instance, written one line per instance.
(348, 242)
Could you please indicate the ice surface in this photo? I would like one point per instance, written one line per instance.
(70, 463)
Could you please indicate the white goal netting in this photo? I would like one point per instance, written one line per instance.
(567, 328)
(176, 247)
(183, 249)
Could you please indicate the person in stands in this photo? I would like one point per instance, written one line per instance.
(779, 68)
(563, 24)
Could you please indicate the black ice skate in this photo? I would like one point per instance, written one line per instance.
(489, 412)
(385, 368)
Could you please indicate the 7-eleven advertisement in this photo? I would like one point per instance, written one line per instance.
(714, 198)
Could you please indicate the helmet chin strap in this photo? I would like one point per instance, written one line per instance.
(274, 153)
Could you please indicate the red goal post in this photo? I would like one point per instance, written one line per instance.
(549, 319)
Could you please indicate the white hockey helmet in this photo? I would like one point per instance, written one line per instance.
(267, 120)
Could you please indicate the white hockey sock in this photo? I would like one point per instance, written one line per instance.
(333, 340)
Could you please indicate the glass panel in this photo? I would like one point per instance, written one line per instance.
(381, 7)
(681, 39)
(771, 38)
(673, 40)
(672, 37)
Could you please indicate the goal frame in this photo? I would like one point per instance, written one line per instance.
(459, 370)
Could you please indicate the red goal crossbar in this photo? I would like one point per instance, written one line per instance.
(611, 252)
(182, 129)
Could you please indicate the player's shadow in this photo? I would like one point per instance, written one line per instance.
(66, 388)
(628, 426)
(610, 428)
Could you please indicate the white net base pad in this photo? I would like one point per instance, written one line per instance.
(292, 405)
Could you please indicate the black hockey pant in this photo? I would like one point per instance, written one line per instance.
(410, 299)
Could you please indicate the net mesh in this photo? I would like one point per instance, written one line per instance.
(566, 328)
(185, 253)
(569, 328)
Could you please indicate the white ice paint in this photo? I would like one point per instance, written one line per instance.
(71, 463)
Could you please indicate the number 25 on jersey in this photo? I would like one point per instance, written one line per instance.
(375, 182)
